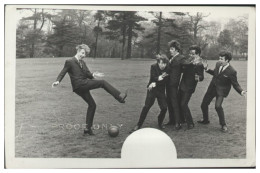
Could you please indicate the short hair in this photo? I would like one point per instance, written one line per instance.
(83, 46)
(226, 54)
(162, 58)
(196, 48)
(175, 44)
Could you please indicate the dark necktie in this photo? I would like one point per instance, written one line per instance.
(80, 63)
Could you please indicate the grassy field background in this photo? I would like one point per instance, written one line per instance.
(49, 122)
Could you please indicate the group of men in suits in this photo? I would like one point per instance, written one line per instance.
(166, 76)
(165, 85)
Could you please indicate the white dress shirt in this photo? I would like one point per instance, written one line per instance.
(223, 67)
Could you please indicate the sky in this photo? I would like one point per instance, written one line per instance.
(220, 14)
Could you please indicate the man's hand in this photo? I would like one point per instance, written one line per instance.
(164, 74)
(152, 85)
(97, 74)
(205, 64)
(55, 84)
(243, 93)
(161, 77)
(197, 77)
(196, 59)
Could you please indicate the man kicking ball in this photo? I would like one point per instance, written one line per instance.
(155, 90)
(82, 81)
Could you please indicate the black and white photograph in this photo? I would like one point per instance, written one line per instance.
(109, 84)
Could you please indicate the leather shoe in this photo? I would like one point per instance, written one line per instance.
(88, 131)
(122, 97)
(183, 121)
(203, 122)
(224, 128)
(190, 126)
(160, 123)
(134, 129)
(161, 126)
(178, 127)
(169, 123)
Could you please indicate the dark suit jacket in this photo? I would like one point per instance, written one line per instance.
(175, 69)
(155, 72)
(188, 82)
(78, 76)
(223, 81)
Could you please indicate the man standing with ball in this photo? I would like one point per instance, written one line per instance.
(82, 81)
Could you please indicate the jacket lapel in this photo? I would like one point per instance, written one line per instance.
(225, 69)
(219, 70)
(77, 62)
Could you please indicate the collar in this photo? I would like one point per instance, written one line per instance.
(173, 57)
(176, 55)
(76, 58)
(224, 67)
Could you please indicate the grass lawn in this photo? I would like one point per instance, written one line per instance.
(49, 122)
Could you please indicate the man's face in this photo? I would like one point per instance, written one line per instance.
(162, 65)
(82, 53)
(173, 51)
(192, 52)
(194, 55)
(223, 60)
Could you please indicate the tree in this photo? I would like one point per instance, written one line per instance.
(225, 39)
(158, 22)
(117, 26)
(99, 16)
(197, 24)
(172, 26)
(35, 33)
(22, 48)
(177, 27)
(239, 32)
(65, 34)
(132, 21)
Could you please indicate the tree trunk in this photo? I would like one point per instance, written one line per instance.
(32, 50)
(129, 45)
(95, 53)
(142, 52)
(123, 44)
(159, 34)
(60, 51)
(123, 33)
(34, 31)
(84, 34)
(195, 35)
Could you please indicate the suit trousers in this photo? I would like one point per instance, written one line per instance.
(149, 101)
(184, 101)
(210, 94)
(84, 92)
(173, 104)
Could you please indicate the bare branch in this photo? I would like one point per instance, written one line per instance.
(43, 20)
